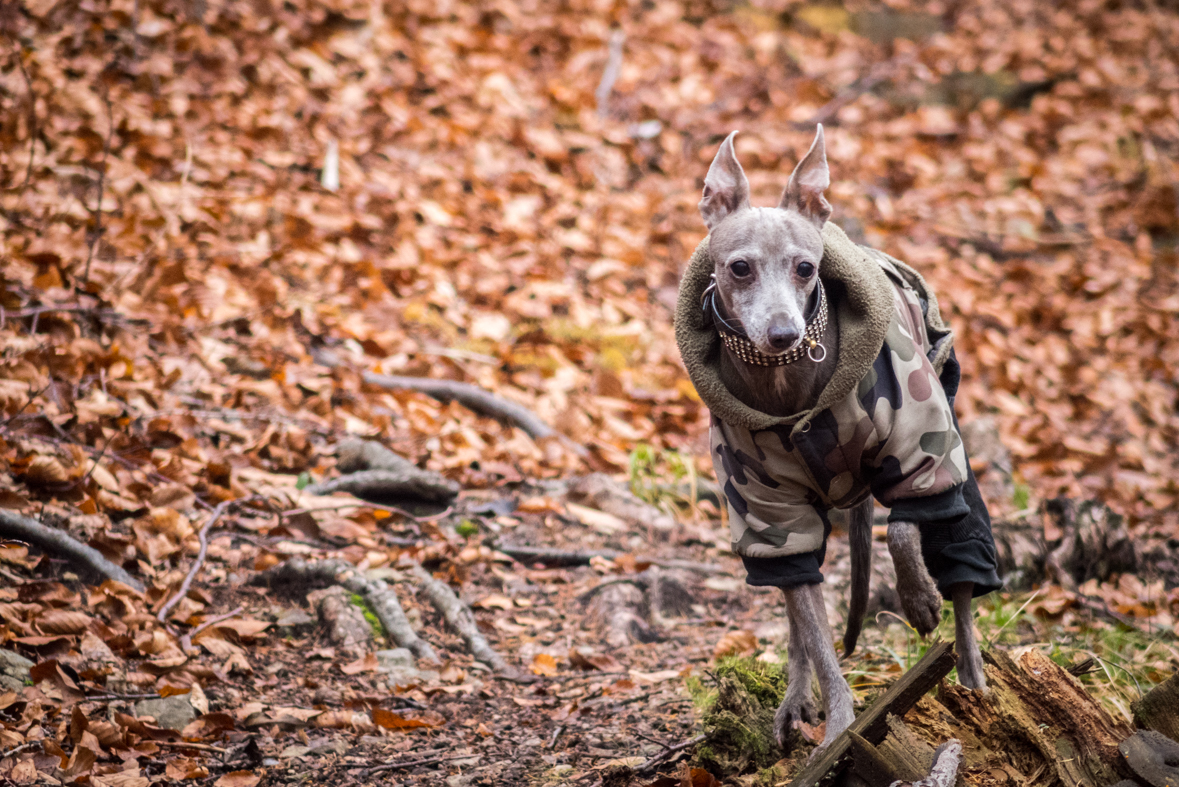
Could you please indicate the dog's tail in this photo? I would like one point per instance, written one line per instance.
(859, 531)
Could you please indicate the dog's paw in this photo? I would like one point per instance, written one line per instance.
(789, 714)
(970, 672)
(921, 602)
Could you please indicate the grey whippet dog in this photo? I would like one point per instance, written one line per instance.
(767, 262)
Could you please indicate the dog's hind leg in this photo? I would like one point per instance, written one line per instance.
(799, 703)
(970, 666)
(807, 613)
(919, 596)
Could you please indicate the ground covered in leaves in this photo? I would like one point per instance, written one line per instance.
(205, 204)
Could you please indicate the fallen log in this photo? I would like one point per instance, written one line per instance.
(872, 725)
(1153, 757)
(62, 544)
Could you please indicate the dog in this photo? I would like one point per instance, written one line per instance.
(830, 379)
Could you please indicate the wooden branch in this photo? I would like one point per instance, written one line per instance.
(203, 535)
(186, 640)
(97, 233)
(872, 724)
(659, 757)
(396, 766)
(22, 528)
(381, 598)
(460, 618)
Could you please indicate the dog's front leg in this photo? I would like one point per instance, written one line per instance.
(970, 666)
(798, 704)
(919, 596)
(808, 616)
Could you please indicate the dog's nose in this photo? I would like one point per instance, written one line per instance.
(782, 337)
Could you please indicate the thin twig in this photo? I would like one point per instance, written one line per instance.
(187, 745)
(654, 761)
(18, 749)
(106, 150)
(556, 734)
(610, 72)
(186, 640)
(394, 766)
(203, 535)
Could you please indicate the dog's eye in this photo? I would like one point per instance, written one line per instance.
(740, 269)
(805, 270)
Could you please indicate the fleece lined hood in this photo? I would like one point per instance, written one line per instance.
(861, 300)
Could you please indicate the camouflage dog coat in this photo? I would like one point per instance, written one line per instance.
(884, 426)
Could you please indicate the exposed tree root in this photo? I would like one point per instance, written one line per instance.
(605, 494)
(373, 471)
(21, 528)
(460, 618)
(470, 396)
(561, 557)
(636, 608)
(344, 623)
(376, 593)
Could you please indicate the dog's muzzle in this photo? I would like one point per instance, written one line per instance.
(740, 344)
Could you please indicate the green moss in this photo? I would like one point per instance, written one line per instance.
(373, 621)
(737, 706)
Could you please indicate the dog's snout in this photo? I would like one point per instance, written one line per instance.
(782, 336)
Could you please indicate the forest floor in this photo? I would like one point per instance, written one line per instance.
(219, 220)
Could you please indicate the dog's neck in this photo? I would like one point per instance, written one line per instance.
(781, 390)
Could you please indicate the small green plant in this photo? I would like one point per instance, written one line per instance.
(303, 481)
(655, 476)
(371, 617)
(1021, 496)
(467, 529)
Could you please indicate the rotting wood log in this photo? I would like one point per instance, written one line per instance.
(460, 618)
(944, 772)
(1158, 710)
(1036, 723)
(908, 754)
(381, 598)
(86, 558)
(1153, 756)
(872, 724)
(870, 765)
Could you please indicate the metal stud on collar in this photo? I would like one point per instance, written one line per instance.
(811, 345)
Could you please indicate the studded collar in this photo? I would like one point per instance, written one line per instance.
(738, 342)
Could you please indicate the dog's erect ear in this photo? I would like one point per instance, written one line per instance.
(726, 189)
(804, 192)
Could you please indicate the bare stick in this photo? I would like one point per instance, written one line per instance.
(18, 749)
(186, 745)
(460, 618)
(658, 758)
(412, 482)
(203, 535)
(381, 598)
(186, 640)
(22, 528)
(610, 72)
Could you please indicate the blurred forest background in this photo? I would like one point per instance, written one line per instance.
(215, 217)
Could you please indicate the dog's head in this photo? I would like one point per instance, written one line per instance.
(767, 259)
